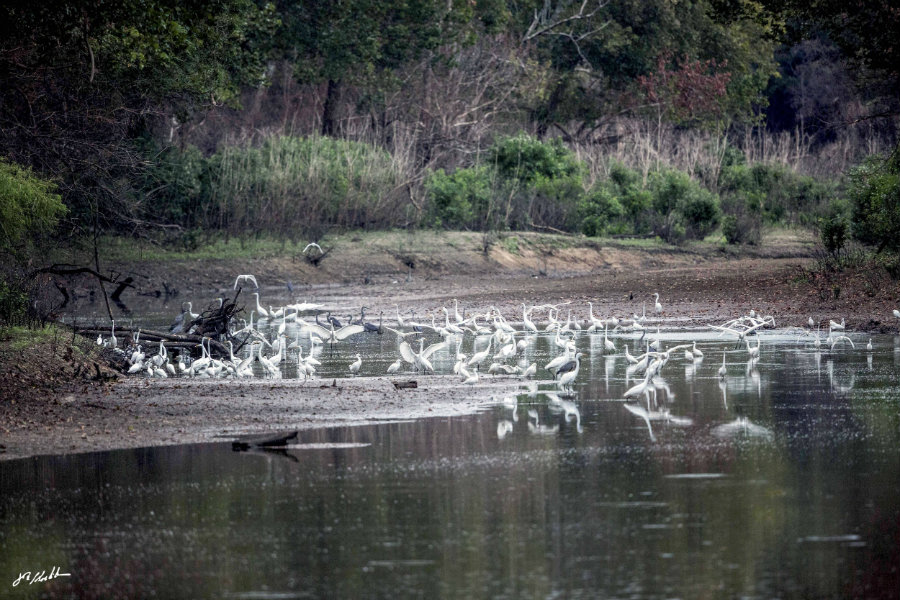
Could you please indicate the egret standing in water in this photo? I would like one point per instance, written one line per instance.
(355, 365)
(658, 306)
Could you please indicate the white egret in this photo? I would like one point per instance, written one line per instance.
(263, 313)
(241, 279)
(657, 305)
(696, 351)
(355, 365)
(479, 357)
(529, 325)
(722, 370)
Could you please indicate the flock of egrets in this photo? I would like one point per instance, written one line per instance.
(498, 346)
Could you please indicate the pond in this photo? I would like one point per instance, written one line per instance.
(783, 481)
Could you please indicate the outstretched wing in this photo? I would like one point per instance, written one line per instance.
(406, 353)
(433, 348)
(305, 306)
(316, 329)
(347, 330)
(242, 278)
(399, 334)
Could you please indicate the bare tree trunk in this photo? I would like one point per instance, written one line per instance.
(329, 111)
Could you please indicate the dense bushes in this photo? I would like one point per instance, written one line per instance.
(874, 194)
(523, 183)
(529, 183)
(291, 186)
(461, 199)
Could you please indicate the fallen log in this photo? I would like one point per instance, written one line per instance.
(264, 440)
(405, 385)
(174, 340)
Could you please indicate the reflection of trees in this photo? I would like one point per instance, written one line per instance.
(589, 513)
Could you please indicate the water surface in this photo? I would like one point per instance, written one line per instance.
(783, 481)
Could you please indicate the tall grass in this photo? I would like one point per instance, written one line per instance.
(294, 187)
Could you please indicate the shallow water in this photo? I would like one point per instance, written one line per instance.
(783, 481)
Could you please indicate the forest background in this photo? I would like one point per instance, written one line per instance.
(179, 122)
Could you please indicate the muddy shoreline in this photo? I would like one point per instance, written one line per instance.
(697, 287)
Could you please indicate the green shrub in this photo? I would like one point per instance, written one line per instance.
(783, 195)
(834, 227)
(29, 206)
(529, 160)
(684, 208)
(460, 200)
(874, 194)
(742, 221)
(598, 209)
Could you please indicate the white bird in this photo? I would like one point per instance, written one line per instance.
(479, 357)
(456, 315)
(531, 370)
(244, 278)
(869, 346)
(752, 351)
(811, 323)
(568, 377)
(642, 388)
(608, 345)
(722, 370)
(313, 245)
(355, 365)
(263, 313)
(471, 378)
(897, 313)
(395, 366)
(842, 338)
(658, 306)
(420, 361)
(113, 341)
(529, 324)
(332, 335)
(696, 351)
(836, 326)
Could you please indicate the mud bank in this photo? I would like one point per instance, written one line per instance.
(151, 412)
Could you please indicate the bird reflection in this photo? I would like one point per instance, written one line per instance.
(724, 388)
(568, 408)
(639, 411)
(511, 403)
(504, 428)
(536, 427)
(741, 427)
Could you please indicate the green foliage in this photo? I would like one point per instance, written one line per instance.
(13, 304)
(874, 194)
(780, 195)
(684, 208)
(598, 209)
(834, 227)
(462, 199)
(531, 161)
(29, 206)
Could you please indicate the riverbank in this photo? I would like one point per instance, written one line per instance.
(55, 408)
